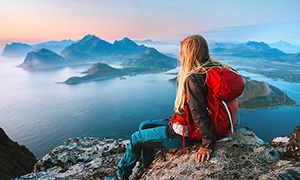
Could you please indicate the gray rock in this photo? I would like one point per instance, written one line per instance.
(289, 146)
(286, 170)
(80, 158)
(244, 156)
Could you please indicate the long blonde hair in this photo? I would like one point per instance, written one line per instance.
(194, 58)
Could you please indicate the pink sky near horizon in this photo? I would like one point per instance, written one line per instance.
(34, 21)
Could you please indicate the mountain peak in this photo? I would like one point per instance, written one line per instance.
(89, 37)
(16, 49)
(44, 51)
(18, 43)
(282, 43)
(257, 45)
(126, 41)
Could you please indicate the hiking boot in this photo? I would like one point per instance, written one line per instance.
(115, 177)
(139, 174)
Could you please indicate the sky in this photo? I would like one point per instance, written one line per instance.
(34, 21)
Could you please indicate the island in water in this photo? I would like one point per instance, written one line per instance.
(42, 59)
(150, 61)
(259, 95)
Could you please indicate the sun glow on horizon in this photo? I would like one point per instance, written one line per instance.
(35, 21)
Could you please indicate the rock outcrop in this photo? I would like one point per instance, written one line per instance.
(289, 146)
(15, 160)
(80, 158)
(244, 156)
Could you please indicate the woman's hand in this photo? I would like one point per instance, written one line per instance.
(202, 153)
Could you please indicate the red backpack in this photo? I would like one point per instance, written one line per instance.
(223, 87)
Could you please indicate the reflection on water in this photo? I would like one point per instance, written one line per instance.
(41, 114)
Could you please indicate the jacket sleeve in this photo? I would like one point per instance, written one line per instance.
(196, 91)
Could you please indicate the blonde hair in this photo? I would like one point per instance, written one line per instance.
(194, 58)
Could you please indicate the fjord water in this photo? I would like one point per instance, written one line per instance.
(40, 113)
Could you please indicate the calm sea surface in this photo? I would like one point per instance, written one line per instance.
(39, 113)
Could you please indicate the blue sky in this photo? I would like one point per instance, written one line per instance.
(267, 32)
(232, 20)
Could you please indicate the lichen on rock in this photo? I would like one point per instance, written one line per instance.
(289, 146)
(80, 158)
(242, 156)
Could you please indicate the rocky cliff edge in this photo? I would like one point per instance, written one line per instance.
(15, 159)
(244, 156)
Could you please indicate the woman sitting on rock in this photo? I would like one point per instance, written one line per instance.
(192, 90)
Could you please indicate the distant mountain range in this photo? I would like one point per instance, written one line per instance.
(135, 58)
(126, 52)
(285, 46)
(20, 49)
(151, 42)
(94, 49)
(252, 49)
(281, 44)
(249, 49)
(16, 50)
